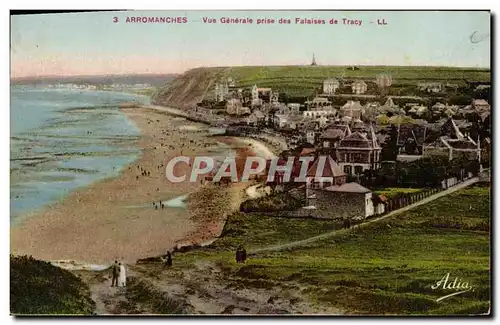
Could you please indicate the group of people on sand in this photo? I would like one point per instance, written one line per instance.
(159, 204)
(119, 275)
(144, 172)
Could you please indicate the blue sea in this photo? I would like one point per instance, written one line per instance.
(63, 139)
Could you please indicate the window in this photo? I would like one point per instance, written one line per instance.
(347, 170)
(358, 170)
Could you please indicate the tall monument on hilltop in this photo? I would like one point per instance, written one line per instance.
(314, 60)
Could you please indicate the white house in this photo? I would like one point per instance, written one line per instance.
(330, 86)
(359, 87)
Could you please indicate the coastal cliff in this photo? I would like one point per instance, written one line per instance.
(189, 88)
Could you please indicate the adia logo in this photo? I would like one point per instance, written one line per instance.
(456, 285)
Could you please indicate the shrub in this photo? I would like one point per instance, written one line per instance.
(38, 287)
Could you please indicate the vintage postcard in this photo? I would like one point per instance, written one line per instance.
(250, 163)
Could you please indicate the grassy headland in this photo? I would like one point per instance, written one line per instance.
(191, 87)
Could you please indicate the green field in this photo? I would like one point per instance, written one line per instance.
(302, 79)
(382, 268)
(195, 84)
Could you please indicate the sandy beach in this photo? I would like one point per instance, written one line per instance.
(115, 218)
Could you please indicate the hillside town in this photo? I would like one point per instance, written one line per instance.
(372, 141)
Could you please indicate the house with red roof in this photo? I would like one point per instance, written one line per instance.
(325, 172)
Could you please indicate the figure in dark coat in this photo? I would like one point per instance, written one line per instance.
(238, 255)
(115, 269)
(168, 262)
(347, 223)
(241, 254)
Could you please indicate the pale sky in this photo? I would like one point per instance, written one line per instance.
(92, 44)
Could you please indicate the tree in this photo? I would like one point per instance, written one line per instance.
(461, 100)
(382, 119)
(390, 148)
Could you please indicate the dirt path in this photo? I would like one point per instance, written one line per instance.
(202, 288)
(390, 214)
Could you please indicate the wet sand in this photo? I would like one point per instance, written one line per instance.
(115, 218)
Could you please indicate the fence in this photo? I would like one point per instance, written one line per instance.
(410, 198)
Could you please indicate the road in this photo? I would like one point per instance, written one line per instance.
(390, 214)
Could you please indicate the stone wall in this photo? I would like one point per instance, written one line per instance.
(338, 205)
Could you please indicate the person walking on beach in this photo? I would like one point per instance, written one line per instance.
(115, 272)
(122, 280)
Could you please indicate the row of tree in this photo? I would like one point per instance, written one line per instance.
(424, 172)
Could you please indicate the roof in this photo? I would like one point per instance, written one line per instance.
(479, 102)
(372, 106)
(331, 80)
(389, 102)
(355, 139)
(282, 116)
(338, 125)
(319, 100)
(439, 104)
(333, 134)
(352, 105)
(450, 128)
(307, 151)
(438, 143)
(462, 123)
(358, 140)
(330, 168)
(422, 109)
(460, 144)
(310, 125)
(348, 188)
(415, 131)
(259, 114)
(359, 82)
(389, 106)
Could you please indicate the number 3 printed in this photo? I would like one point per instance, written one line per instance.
(115, 19)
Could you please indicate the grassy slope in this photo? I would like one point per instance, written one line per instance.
(38, 287)
(382, 268)
(189, 88)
